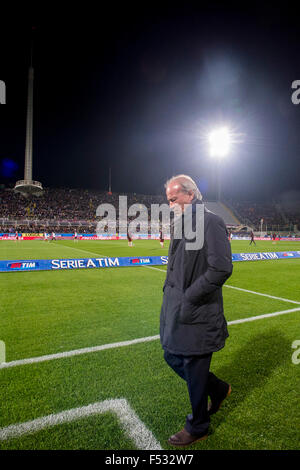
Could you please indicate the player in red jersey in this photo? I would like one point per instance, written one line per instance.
(129, 239)
(252, 238)
(161, 239)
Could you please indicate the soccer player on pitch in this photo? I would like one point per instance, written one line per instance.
(129, 239)
(252, 238)
(161, 239)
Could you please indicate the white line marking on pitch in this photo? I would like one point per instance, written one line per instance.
(243, 290)
(156, 269)
(264, 295)
(78, 249)
(132, 425)
(265, 315)
(72, 248)
(77, 352)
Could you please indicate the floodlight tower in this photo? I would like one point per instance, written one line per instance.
(27, 186)
(219, 141)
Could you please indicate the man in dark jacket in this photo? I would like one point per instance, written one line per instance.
(192, 322)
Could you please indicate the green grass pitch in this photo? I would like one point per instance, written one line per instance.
(51, 312)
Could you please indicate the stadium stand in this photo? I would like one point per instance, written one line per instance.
(66, 210)
(224, 212)
(274, 216)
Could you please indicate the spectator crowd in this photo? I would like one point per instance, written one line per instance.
(67, 210)
(271, 214)
(63, 209)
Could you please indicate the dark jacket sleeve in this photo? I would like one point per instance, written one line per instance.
(219, 261)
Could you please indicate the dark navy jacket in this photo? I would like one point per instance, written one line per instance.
(192, 320)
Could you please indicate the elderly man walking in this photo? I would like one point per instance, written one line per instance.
(192, 322)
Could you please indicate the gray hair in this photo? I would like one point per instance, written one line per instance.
(187, 184)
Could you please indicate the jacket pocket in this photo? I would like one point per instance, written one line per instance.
(191, 313)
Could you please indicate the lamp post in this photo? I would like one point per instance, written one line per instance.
(261, 226)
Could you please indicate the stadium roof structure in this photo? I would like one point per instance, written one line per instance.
(29, 187)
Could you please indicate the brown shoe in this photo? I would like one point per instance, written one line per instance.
(184, 438)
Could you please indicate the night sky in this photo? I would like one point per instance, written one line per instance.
(137, 90)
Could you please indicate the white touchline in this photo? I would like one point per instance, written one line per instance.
(264, 295)
(156, 269)
(77, 352)
(265, 315)
(243, 290)
(82, 251)
(132, 425)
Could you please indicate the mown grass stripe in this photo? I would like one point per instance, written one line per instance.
(76, 352)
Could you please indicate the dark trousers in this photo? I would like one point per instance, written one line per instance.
(201, 383)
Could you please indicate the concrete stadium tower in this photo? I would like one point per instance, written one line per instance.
(27, 186)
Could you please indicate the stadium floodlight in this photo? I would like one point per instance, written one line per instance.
(219, 141)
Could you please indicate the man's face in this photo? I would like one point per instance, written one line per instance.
(177, 198)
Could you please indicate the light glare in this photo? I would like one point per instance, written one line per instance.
(219, 141)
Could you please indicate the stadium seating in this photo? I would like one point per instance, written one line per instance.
(69, 209)
(223, 211)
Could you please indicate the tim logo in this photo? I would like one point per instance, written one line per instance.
(2, 92)
(22, 265)
(140, 261)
